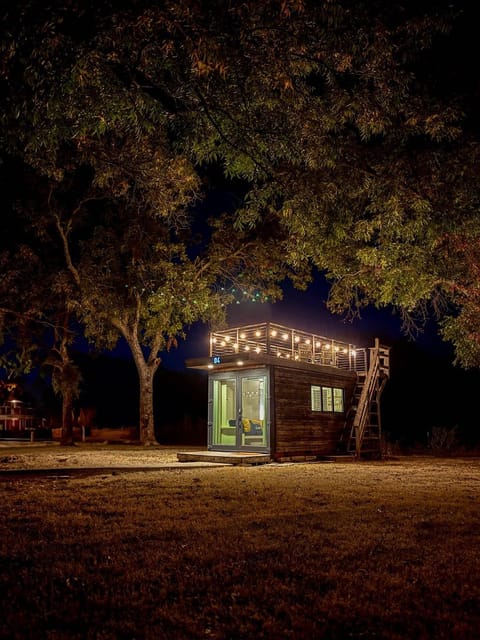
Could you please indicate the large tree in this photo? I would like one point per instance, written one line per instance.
(36, 323)
(355, 122)
(121, 206)
(145, 277)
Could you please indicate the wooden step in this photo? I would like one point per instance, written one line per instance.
(225, 457)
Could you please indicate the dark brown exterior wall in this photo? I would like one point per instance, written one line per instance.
(297, 430)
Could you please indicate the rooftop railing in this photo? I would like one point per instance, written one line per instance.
(285, 343)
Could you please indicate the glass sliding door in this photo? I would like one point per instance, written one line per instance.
(224, 418)
(238, 411)
(252, 411)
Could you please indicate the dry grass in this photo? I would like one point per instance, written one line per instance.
(367, 550)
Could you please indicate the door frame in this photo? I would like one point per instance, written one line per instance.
(239, 374)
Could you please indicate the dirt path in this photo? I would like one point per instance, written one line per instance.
(14, 457)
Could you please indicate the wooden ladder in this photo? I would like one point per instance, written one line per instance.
(366, 429)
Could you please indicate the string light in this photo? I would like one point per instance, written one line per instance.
(297, 345)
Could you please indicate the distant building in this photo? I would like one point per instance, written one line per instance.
(15, 415)
(18, 419)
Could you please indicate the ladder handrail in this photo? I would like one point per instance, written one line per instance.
(368, 389)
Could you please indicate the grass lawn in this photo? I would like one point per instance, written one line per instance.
(334, 550)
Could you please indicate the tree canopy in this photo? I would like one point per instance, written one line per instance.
(350, 126)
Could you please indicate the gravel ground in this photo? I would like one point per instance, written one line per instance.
(15, 456)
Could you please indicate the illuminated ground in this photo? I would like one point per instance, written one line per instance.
(330, 551)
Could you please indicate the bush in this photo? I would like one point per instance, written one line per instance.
(444, 439)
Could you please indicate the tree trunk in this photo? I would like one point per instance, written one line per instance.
(146, 369)
(67, 419)
(146, 373)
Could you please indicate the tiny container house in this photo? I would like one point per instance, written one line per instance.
(292, 394)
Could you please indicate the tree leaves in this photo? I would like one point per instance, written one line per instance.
(336, 115)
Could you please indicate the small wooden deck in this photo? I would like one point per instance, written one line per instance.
(225, 457)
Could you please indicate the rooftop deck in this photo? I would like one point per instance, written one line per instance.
(282, 342)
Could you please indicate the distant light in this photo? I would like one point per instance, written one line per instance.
(327, 346)
(353, 352)
(285, 336)
(279, 355)
(257, 349)
(214, 340)
(274, 333)
(222, 344)
(210, 366)
(318, 345)
(227, 338)
(239, 363)
(337, 348)
(247, 348)
(297, 338)
(307, 341)
(345, 350)
(242, 336)
(258, 333)
(235, 346)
